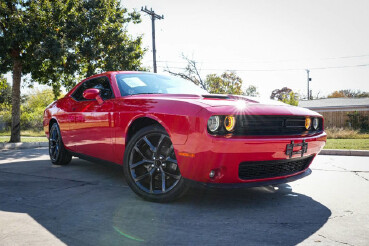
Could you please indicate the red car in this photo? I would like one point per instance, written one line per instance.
(168, 133)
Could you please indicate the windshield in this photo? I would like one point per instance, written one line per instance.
(148, 83)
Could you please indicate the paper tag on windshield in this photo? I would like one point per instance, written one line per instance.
(134, 82)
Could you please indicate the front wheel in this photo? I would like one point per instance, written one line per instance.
(58, 154)
(150, 166)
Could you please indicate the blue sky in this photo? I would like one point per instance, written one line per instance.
(268, 43)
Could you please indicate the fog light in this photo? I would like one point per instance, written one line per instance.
(212, 174)
(307, 123)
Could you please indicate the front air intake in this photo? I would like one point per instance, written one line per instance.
(250, 170)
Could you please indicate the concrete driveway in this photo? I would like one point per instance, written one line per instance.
(88, 203)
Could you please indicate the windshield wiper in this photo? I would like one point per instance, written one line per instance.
(146, 93)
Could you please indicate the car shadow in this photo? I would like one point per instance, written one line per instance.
(88, 203)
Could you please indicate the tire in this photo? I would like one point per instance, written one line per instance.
(58, 154)
(150, 166)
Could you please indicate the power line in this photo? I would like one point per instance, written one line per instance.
(274, 70)
(273, 61)
(344, 57)
(348, 66)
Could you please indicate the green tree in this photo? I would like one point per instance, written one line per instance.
(285, 95)
(251, 91)
(279, 93)
(227, 83)
(348, 93)
(57, 41)
(292, 98)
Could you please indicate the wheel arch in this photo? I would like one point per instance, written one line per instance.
(51, 123)
(140, 122)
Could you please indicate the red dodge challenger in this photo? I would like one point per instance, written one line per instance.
(167, 133)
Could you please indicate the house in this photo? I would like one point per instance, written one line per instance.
(335, 110)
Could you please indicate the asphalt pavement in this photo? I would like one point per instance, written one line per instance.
(88, 203)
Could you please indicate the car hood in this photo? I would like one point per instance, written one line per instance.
(233, 104)
(235, 100)
(252, 106)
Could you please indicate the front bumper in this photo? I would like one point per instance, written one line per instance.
(307, 172)
(203, 153)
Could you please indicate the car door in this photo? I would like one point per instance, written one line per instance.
(92, 129)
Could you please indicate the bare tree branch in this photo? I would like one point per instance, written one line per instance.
(182, 75)
(198, 75)
(190, 73)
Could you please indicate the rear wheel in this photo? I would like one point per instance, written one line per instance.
(150, 166)
(58, 154)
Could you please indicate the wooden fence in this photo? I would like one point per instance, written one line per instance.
(339, 118)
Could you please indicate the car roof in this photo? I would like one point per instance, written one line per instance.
(113, 73)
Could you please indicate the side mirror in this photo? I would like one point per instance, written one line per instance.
(90, 94)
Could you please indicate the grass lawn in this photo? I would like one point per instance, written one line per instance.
(26, 133)
(362, 144)
(25, 139)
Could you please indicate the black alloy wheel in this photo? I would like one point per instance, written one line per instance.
(151, 168)
(58, 154)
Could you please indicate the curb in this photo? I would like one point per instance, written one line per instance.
(24, 145)
(346, 152)
(30, 145)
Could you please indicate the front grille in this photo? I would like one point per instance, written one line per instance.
(270, 169)
(263, 125)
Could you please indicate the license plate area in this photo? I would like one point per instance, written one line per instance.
(302, 151)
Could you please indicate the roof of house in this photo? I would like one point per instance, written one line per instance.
(336, 103)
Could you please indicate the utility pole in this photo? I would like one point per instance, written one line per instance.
(308, 81)
(153, 17)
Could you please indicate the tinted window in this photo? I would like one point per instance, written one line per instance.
(148, 83)
(101, 83)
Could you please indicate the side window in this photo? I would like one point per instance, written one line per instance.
(101, 83)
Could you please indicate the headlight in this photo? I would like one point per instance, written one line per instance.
(315, 123)
(229, 123)
(213, 123)
(307, 123)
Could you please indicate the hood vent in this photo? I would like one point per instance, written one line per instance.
(216, 96)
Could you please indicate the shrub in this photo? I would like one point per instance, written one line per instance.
(358, 121)
(32, 110)
(5, 116)
(344, 133)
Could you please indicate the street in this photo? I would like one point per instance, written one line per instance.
(88, 203)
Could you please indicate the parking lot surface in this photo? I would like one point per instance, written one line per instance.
(88, 203)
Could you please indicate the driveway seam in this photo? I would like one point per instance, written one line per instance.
(336, 241)
(39, 176)
(72, 180)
